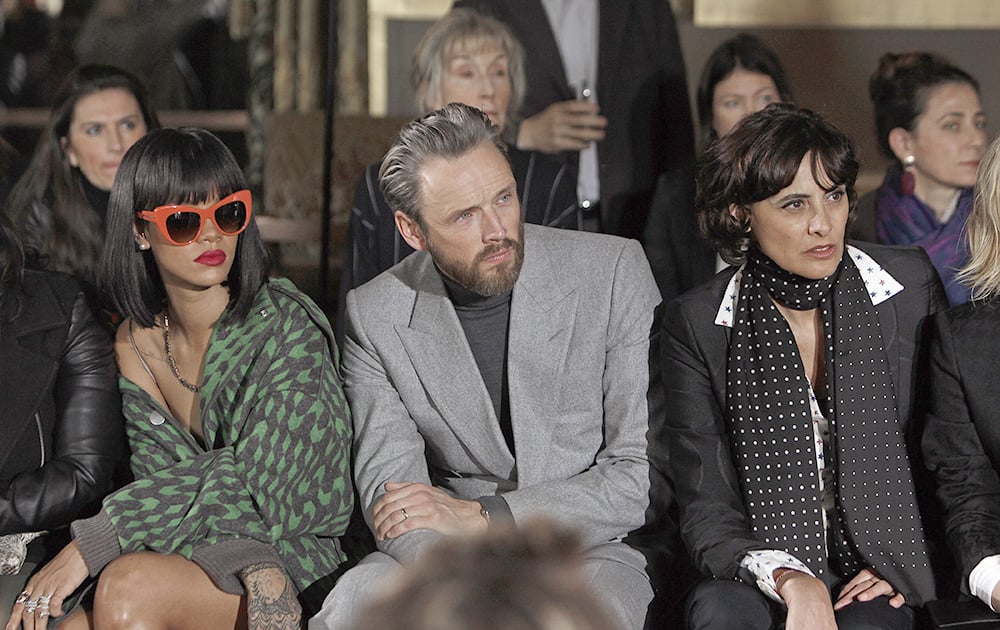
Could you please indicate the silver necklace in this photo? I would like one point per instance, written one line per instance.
(170, 357)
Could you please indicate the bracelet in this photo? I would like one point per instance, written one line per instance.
(783, 574)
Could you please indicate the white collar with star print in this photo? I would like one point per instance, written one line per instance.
(881, 286)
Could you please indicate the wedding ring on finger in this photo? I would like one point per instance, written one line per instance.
(31, 605)
(22, 597)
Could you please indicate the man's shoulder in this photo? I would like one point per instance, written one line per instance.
(576, 247)
(568, 258)
(403, 278)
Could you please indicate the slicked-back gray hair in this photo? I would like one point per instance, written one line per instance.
(449, 133)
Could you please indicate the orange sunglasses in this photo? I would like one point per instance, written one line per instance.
(182, 225)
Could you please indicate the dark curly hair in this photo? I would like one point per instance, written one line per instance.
(759, 158)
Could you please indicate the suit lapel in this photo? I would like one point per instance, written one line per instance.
(530, 20)
(541, 326)
(889, 324)
(435, 344)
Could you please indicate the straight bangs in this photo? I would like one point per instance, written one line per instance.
(482, 35)
(185, 172)
(165, 167)
(472, 39)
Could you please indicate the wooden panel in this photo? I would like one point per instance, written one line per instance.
(931, 14)
(215, 119)
(379, 13)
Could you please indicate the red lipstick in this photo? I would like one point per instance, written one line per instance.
(212, 258)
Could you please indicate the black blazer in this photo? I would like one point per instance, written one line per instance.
(641, 88)
(961, 438)
(60, 410)
(713, 520)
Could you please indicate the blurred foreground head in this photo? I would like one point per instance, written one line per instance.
(529, 578)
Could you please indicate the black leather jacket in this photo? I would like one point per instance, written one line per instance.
(61, 426)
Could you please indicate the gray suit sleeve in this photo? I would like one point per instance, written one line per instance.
(611, 497)
(387, 444)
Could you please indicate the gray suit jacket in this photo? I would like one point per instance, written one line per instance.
(581, 397)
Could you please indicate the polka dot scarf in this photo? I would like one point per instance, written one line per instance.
(876, 521)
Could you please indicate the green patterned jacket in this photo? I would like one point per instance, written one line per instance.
(275, 484)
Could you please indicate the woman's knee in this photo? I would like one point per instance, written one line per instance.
(125, 591)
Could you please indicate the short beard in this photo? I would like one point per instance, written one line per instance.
(499, 280)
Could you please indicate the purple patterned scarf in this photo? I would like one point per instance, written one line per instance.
(908, 221)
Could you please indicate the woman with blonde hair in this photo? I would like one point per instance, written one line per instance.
(961, 440)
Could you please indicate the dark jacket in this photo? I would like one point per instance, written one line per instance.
(713, 518)
(961, 438)
(61, 419)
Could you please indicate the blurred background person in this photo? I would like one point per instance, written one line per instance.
(961, 440)
(773, 364)
(524, 578)
(60, 416)
(470, 58)
(740, 77)
(931, 124)
(60, 203)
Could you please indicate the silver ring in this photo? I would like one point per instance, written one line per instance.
(44, 600)
(31, 605)
(22, 597)
(43, 613)
(403, 512)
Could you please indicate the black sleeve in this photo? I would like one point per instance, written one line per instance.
(88, 439)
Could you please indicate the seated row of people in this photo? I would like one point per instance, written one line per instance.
(508, 372)
(504, 372)
(774, 405)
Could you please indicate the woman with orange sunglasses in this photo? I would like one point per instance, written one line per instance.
(239, 430)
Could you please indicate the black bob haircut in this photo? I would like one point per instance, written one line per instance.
(172, 166)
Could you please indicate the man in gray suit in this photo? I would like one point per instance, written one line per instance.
(501, 372)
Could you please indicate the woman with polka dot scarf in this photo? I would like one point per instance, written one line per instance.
(787, 379)
(961, 440)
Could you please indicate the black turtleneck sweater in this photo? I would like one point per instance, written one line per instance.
(485, 321)
(97, 198)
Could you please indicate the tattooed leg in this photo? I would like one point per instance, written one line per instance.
(271, 599)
